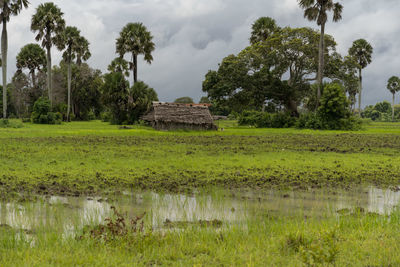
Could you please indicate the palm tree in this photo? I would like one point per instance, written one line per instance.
(82, 50)
(8, 8)
(361, 51)
(316, 10)
(263, 28)
(119, 65)
(31, 57)
(49, 24)
(77, 47)
(393, 86)
(134, 38)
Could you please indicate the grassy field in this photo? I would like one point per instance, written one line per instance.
(357, 239)
(97, 158)
(93, 157)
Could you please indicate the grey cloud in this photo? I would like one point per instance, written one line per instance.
(193, 36)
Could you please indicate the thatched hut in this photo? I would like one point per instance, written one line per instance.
(171, 116)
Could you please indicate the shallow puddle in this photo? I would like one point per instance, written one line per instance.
(70, 214)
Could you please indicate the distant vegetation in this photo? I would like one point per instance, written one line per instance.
(283, 73)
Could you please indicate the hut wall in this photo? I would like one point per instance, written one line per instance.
(167, 126)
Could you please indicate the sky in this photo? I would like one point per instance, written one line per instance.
(193, 36)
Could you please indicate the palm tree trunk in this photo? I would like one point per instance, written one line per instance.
(33, 76)
(321, 62)
(69, 89)
(359, 93)
(48, 37)
(135, 64)
(393, 107)
(4, 50)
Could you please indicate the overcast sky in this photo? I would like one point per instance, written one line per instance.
(193, 36)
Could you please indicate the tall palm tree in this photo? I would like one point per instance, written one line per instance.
(393, 86)
(8, 8)
(361, 51)
(317, 10)
(77, 47)
(137, 40)
(31, 57)
(263, 28)
(49, 24)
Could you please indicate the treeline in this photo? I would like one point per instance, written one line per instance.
(288, 70)
(43, 93)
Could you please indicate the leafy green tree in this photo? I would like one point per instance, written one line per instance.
(393, 86)
(76, 45)
(137, 40)
(119, 65)
(361, 51)
(8, 8)
(114, 93)
(277, 70)
(317, 10)
(334, 107)
(184, 100)
(140, 100)
(262, 29)
(33, 58)
(49, 25)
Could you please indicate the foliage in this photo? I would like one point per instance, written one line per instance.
(137, 40)
(48, 24)
(262, 29)
(114, 94)
(10, 106)
(5, 123)
(380, 112)
(42, 113)
(266, 120)
(116, 228)
(31, 57)
(140, 100)
(184, 100)
(277, 70)
(119, 65)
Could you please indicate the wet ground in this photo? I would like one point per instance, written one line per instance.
(228, 207)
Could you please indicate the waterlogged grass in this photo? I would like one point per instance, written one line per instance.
(358, 239)
(95, 157)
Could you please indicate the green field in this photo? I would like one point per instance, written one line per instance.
(98, 159)
(93, 157)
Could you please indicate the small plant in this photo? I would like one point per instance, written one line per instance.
(115, 228)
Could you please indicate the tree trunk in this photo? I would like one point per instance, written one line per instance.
(33, 76)
(320, 74)
(49, 82)
(4, 50)
(135, 63)
(69, 90)
(359, 92)
(393, 107)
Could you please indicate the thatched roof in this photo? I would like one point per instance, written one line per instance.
(179, 113)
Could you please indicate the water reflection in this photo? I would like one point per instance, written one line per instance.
(69, 214)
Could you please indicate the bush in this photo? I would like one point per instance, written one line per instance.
(42, 115)
(106, 116)
(267, 120)
(10, 124)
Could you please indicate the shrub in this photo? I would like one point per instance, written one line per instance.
(266, 120)
(42, 115)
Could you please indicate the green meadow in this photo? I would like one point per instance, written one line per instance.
(95, 157)
(88, 159)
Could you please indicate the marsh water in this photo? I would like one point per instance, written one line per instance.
(71, 213)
